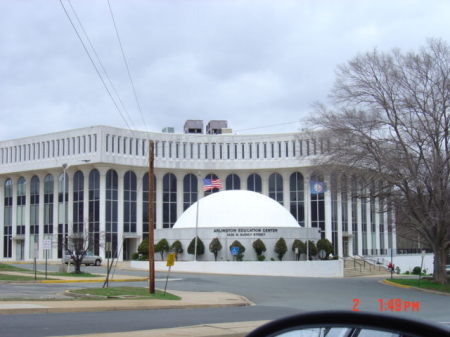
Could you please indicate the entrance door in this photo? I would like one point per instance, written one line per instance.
(345, 246)
(20, 249)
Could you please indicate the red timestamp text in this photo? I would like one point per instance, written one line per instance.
(393, 304)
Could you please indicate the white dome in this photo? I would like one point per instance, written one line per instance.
(237, 208)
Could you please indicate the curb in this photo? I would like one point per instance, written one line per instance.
(95, 280)
(389, 283)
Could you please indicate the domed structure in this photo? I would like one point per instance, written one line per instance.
(236, 208)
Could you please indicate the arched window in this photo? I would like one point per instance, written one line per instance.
(372, 219)
(129, 199)
(169, 200)
(7, 219)
(233, 182)
(254, 183)
(145, 205)
(34, 214)
(363, 194)
(111, 213)
(296, 190)
(317, 187)
(190, 188)
(21, 201)
(94, 211)
(344, 211)
(63, 192)
(381, 215)
(78, 202)
(276, 187)
(334, 212)
(211, 176)
(48, 210)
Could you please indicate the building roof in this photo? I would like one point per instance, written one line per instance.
(237, 208)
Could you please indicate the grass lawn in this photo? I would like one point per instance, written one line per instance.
(5, 277)
(425, 284)
(134, 292)
(72, 274)
(8, 267)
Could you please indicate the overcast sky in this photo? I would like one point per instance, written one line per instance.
(253, 63)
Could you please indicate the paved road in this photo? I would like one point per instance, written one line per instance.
(274, 297)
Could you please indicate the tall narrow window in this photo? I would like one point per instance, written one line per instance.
(276, 187)
(7, 219)
(129, 199)
(354, 195)
(20, 211)
(317, 203)
(34, 215)
(94, 211)
(190, 188)
(145, 204)
(381, 215)
(233, 182)
(48, 210)
(296, 190)
(169, 200)
(78, 202)
(111, 213)
(363, 199)
(334, 213)
(254, 183)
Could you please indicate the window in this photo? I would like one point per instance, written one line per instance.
(169, 200)
(254, 183)
(20, 208)
(48, 205)
(211, 176)
(78, 202)
(94, 211)
(296, 190)
(190, 188)
(233, 182)
(363, 205)
(276, 187)
(354, 196)
(111, 213)
(334, 213)
(129, 199)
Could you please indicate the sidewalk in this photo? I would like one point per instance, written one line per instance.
(188, 300)
(235, 329)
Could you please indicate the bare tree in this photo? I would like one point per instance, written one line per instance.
(78, 246)
(391, 121)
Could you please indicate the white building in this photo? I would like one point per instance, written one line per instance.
(106, 187)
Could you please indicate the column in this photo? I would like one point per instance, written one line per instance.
(377, 225)
(27, 253)
(14, 217)
(120, 239)
(359, 226)
(70, 203)
(2, 214)
(349, 222)
(55, 221)
(41, 216)
(265, 183)
(327, 202)
(102, 171)
(339, 218)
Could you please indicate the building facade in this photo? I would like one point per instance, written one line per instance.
(94, 180)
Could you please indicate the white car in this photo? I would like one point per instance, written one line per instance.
(88, 259)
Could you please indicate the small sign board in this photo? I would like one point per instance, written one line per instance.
(234, 250)
(47, 244)
(170, 259)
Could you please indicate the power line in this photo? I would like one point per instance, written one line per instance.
(93, 63)
(126, 65)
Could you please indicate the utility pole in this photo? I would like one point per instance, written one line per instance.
(151, 212)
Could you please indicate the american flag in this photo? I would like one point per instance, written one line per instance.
(209, 184)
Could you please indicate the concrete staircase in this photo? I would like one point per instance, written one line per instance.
(357, 266)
